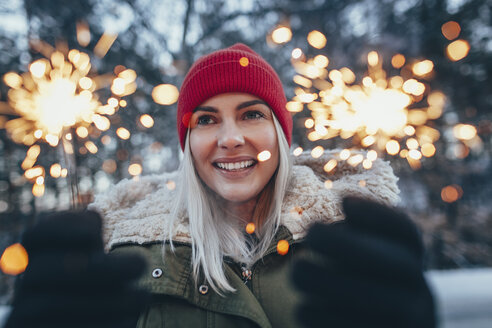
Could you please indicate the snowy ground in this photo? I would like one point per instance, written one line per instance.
(463, 297)
(3, 313)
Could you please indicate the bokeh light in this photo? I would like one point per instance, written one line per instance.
(316, 39)
(423, 67)
(250, 228)
(55, 170)
(282, 247)
(330, 165)
(14, 260)
(281, 35)
(451, 193)
(296, 53)
(398, 61)
(244, 61)
(109, 166)
(317, 152)
(171, 185)
(328, 184)
(135, 169)
(264, 156)
(464, 131)
(123, 133)
(165, 94)
(83, 34)
(104, 44)
(13, 80)
(38, 190)
(451, 30)
(146, 120)
(82, 132)
(458, 50)
(294, 106)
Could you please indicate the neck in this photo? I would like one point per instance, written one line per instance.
(242, 211)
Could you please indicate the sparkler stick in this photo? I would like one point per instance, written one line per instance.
(67, 150)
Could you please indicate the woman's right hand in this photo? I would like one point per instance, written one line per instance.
(71, 282)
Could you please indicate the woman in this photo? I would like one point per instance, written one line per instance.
(220, 245)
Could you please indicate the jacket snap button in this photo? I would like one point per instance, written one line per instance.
(157, 273)
(203, 289)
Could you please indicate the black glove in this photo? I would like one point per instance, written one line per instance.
(369, 271)
(71, 282)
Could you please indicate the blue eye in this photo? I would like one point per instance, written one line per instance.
(205, 120)
(253, 115)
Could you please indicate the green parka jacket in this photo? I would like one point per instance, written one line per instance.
(134, 213)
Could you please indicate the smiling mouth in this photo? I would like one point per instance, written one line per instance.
(236, 166)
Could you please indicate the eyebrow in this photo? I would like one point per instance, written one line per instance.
(238, 107)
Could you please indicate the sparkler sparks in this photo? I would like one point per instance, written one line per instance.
(389, 114)
(59, 93)
(56, 94)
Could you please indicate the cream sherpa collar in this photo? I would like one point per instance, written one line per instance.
(135, 211)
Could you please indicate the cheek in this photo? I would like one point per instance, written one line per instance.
(198, 154)
(199, 144)
(270, 142)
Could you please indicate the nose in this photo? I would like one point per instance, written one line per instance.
(230, 136)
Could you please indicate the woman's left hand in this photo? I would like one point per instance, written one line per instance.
(369, 272)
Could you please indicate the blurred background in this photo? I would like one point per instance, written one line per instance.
(410, 81)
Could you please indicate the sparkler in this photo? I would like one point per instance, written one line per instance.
(389, 114)
(57, 99)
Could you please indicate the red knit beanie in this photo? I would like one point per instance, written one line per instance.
(234, 69)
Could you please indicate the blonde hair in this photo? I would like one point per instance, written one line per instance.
(212, 237)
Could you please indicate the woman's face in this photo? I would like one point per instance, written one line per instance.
(228, 131)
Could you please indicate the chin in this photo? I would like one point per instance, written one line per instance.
(236, 196)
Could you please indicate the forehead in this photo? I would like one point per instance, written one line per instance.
(230, 98)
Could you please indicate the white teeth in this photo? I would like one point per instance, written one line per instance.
(235, 166)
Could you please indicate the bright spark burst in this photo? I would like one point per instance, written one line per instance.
(379, 111)
(58, 93)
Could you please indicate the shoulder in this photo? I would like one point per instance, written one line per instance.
(315, 195)
(136, 210)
